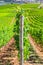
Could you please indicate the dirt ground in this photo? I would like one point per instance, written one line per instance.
(9, 56)
(27, 63)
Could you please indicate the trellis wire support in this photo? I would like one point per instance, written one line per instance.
(21, 39)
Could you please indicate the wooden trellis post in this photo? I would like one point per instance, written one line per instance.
(21, 39)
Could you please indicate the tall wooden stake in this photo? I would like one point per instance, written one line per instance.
(21, 39)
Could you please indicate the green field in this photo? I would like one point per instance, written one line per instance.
(33, 24)
(6, 17)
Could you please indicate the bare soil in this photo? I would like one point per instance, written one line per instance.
(9, 54)
(37, 48)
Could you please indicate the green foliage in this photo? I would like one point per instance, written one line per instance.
(16, 29)
(6, 26)
(33, 24)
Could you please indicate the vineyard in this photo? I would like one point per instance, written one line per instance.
(33, 25)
